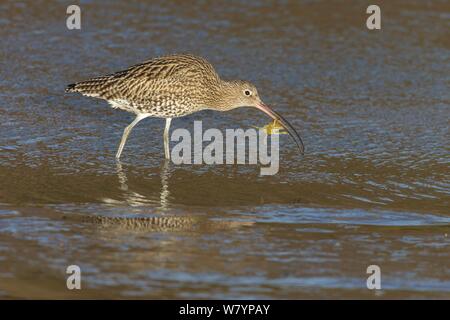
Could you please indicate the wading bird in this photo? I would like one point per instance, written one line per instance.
(174, 86)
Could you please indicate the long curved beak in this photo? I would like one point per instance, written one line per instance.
(276, 116)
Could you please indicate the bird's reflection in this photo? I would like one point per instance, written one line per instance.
(135, 199)
(162, 205)
(165, 193)
(122, 176)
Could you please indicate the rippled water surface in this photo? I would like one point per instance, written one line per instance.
(372, 188)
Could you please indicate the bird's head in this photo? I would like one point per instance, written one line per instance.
(238, 93)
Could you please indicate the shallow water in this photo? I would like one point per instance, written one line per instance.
(372, 188)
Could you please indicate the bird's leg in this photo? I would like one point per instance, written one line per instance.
(127, 131)
(166, 138)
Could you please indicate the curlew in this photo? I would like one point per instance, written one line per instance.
(174, 86)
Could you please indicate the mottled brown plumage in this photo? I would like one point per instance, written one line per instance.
(173, 86)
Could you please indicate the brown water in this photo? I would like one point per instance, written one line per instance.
(372, 188)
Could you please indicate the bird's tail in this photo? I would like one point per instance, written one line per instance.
(71, 87)
(93, 87)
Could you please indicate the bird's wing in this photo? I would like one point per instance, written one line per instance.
(149, 75)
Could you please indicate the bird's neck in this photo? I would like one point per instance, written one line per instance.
(221, 94)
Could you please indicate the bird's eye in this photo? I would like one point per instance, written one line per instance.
(247, 92)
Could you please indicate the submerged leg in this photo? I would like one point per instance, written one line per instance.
(127, 131)
(166, 138)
